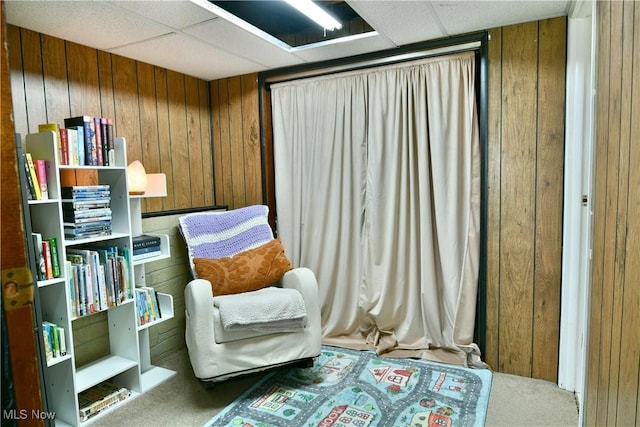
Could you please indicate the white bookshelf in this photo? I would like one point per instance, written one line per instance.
(128, 363)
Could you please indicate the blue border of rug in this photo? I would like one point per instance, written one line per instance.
(348, 388)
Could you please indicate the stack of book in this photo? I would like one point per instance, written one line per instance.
(99, 277)
(148, 305)
(54, 340)
(35, 177)
(145, 246)
(84, 140)
(47, 260)
(86, 211)
(99, 398)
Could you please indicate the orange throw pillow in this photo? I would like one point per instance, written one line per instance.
(247, 271)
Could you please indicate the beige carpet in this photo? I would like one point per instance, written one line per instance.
(183, 401)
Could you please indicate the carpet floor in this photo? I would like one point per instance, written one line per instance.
(183, 401)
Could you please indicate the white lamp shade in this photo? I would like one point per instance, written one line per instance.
(136, 178)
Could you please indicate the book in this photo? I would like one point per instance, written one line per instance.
(52, 127)
(37, 244)
(46, 250)
(76, 192)
(72, 137)
(54, 338)
(79, 144)
(97, 128)
(41, 174)
(55, 263)
(71, 288)
(99, 398)
(145, 240)
(146, 249)
(126, 271)
(34, 177)
(89, 279)
(48, 344)
(61, 341)
(111, 143)
(145, 253)
(64, 146)
(31, 191)
(89, 137)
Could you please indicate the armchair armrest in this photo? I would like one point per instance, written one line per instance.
(199, 333)
(304, 281)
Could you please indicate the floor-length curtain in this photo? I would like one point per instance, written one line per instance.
(377, 191)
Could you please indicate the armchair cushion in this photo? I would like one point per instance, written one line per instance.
(250, 270)
(219, 234)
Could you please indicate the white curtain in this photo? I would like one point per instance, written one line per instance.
(378, 192)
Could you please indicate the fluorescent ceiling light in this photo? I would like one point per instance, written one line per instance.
(314, 12)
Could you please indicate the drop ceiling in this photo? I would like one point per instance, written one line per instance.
(199, 39)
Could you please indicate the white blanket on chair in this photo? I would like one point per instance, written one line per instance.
(268, 309)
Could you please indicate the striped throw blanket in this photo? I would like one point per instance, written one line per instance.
(223, 234)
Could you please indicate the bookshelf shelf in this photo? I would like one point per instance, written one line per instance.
(116, 276)
(101, 370)
(155, 376)
(57, 360)
(50, 282)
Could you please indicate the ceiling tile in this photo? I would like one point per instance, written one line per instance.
(186, 55)
(464, 16)
(177, 14)
(228, 37)
(402, 22)
(95, 24)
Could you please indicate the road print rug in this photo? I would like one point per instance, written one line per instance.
(356, 388)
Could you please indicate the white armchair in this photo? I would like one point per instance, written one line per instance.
(216, 351)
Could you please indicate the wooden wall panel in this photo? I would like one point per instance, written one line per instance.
(525, 181)
(251, 139)
(494, 159)
(149, 150)
(517, 225)
(237, 153)
(549, 197)
(613, 368)
(55, 79)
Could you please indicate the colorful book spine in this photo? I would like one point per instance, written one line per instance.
(34, 177)
(80, 143)
(46, 250)
(89, 136)
(31, 191)
(97, 129)
(48, 342)
(37, 243)
(64, 147)
(52, 127)
(41, 173)
(55, 263)
(72, 136)
(111, 142)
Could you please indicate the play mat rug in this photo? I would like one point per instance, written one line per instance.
(356, 388)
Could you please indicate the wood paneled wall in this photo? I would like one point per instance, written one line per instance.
(613, 359)
(525, 186)
(236, 139)
(163, 115)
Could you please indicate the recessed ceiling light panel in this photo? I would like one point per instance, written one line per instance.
(284, 22)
